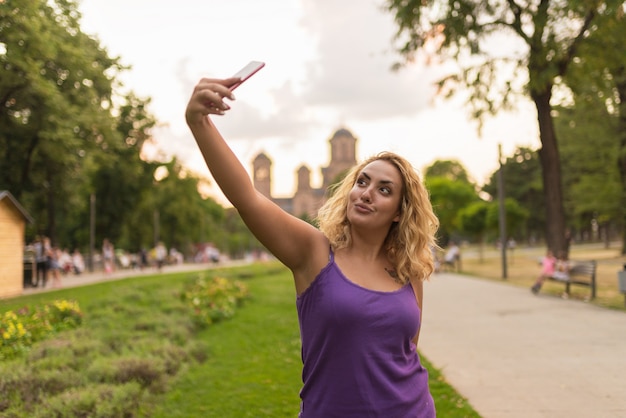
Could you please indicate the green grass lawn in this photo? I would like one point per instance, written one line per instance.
(250, 364)
(254, 364)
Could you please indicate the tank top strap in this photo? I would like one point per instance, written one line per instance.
(331, 254)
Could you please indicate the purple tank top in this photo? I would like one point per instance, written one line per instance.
(359, 360)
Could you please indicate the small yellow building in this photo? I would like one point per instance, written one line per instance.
(13, 220)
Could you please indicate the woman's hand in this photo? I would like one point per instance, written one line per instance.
(208, 99)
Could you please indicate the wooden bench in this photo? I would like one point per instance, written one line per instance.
(581, 273)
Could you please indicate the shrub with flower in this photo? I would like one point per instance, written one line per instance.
(15, 338)
(214, 299)
(64, 314)
(21, 329)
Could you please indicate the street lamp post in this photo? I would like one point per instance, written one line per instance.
(502, 212)
(92, 229)
(156, 227)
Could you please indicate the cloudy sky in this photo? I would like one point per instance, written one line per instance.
(327, 67)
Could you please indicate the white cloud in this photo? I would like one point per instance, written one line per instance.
(327, 66)
(352, 67)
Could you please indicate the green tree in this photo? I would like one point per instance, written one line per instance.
(64, 139)
(450, 191)
(55, 92)
(185, 218)
(598, 109)
(546, 37)
(450, 169)
(522, 183)
(238, 239)
(448, 198)
(473, 222)
(589, 146)
(120, 179)
(515, 215)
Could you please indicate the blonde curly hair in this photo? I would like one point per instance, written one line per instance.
(409, 241)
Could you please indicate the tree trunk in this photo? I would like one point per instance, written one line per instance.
(620, 77)
(551, 173)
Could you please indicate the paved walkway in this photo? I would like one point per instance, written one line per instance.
(72, 280)
(512, 354)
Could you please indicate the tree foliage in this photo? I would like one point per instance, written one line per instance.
(449, 197)
(473, 222)
(546, 38)
(597, 114)
(54, 86)
(522, 183)
(450, 169)
(515, 216)
(591, 180)
(71, 143)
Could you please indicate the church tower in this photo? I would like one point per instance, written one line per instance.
(262, 174)
(307, 199)
(342, 156)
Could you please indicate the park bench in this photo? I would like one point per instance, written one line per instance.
(581, 273)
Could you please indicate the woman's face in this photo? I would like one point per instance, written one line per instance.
(374, 200)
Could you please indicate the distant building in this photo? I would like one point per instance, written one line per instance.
(307, 200)
(13, 219)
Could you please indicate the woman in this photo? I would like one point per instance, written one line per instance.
(54, 266)
(358, 278)
(108, 256)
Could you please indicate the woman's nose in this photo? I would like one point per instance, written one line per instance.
(365, 196)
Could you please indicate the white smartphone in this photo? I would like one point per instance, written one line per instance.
(246, 72)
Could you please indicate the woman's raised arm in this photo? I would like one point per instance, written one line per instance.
(287, 237)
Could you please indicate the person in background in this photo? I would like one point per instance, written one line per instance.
(54, 266)
(108, 256)
(51, 260)
(548, 263)
(358, 278)
(143, 258)
(452, 255)
(562, 267)
(41, 262)
(65, 261)
(160, 254)
(176, 256)
(78, 262)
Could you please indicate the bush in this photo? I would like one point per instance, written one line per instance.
(214, 299)
(95, 401)
(132, 343)
(20, 330)
(21, 390)
(147, 372)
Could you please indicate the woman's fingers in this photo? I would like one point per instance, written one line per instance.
(208, 98)
(219, 86)
(213, 99)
